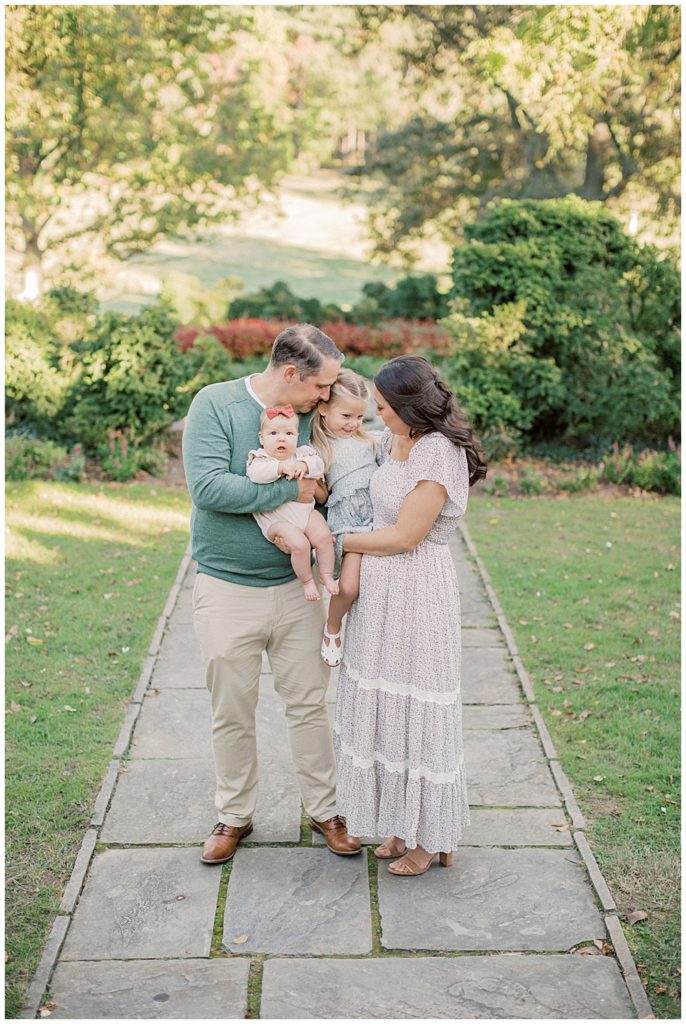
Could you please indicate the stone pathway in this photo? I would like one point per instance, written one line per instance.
(523, 925)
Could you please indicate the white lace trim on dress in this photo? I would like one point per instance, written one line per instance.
(402, 689)
(397, 767)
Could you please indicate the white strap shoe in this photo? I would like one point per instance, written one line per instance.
(331, 653)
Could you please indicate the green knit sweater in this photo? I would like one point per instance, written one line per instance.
(221, 428)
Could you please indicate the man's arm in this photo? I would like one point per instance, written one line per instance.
(206, 458)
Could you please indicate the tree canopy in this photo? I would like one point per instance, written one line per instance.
(527, 102)
(127, 123)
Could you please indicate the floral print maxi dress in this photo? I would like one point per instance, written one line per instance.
(398, 725)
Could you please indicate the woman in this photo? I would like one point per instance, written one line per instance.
(397, 732)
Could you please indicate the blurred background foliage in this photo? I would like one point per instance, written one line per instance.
(128, 124)
(538, 145)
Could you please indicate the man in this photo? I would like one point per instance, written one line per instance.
(247, 598)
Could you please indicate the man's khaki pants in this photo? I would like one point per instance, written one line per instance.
(234, 625)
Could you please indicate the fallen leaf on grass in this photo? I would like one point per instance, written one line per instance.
(589, 647)
(636, 915)
(598, 778)
(555, 713)
(33, 640)
(660, 990)
(240, 940)
(68, 707)
(583, 715)
(14, 707)
(567, 625)
(33, 719)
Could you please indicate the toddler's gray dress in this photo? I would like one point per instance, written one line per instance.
(349, 508)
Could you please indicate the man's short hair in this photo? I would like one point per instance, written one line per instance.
(305, 347)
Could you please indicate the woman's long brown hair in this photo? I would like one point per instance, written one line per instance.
(416, 392)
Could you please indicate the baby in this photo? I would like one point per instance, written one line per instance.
(297, 524)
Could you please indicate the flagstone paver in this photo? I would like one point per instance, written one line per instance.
(298, 901)
(173, 723)
(151, 990)
(145, 903)
(523, 826)
(506, 768)
(497, 899)
(519, 890)
(180, 661)
(499, 987)
(488, 677)
(495, 716)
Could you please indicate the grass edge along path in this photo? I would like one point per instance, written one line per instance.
(88, 570)
(590, 590)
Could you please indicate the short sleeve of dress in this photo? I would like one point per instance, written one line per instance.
(436, 458)
(383, 447)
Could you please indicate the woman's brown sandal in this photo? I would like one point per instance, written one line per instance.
(409, 868)
(384, 852)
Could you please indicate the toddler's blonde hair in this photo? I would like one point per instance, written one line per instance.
(347, 385)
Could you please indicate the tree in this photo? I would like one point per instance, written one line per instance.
(527, 102)
(125, 123)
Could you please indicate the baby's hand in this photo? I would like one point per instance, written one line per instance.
(299, 470)
(287, 469)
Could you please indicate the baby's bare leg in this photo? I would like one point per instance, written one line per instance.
(319, 535)
(299, 549)
(348, 590)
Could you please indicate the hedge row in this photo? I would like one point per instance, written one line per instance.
(560, 328)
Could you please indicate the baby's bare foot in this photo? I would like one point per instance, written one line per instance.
(311, 592)
(330, 583)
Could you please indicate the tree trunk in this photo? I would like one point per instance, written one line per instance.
(596, 159)
(32, 268)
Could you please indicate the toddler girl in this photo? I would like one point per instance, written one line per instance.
(349, 454)
(299, 527)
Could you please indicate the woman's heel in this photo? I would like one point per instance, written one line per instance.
(445, 860)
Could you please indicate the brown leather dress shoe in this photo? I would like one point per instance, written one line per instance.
(336, 836)
(223, 842)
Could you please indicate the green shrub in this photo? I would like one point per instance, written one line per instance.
(649, 469)
(206, 362)
(277, 302)
(415, 297)
(132, 373)
(585, 479)
(121, 458)
(601, 310)
(532, 482)
(32, 458)
(38, 368)
(499, 383)
(192, 302)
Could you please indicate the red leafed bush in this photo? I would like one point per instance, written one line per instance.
(241, 338)
(252, 337)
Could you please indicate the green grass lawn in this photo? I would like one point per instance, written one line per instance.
(88, 572)
(590, 588)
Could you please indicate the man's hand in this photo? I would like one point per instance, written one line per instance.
(321, 492)
(306, 490)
